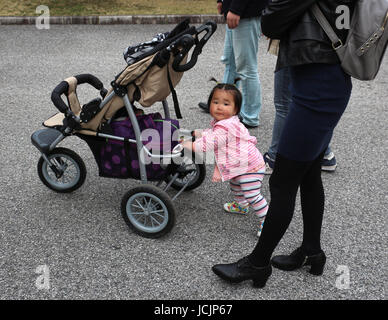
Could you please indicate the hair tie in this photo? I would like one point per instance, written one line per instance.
(217, 83)
(236, 80)
(214, 79)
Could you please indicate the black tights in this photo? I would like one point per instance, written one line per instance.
(287, 177)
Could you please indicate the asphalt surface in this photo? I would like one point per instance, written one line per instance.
(84, 244)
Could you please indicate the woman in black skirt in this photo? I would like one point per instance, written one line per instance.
(320, 93)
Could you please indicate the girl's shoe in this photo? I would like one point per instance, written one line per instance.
(243, 270)
(261, 223)
(298, 258)
(234, 207)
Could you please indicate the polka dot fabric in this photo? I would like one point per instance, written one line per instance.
(120, 160)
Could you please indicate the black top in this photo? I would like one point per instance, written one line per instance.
(302, 39)
(243, 8)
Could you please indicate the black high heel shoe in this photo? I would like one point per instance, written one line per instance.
(298, 258)
(243, 270)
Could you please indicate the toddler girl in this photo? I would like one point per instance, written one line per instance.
(237, 159)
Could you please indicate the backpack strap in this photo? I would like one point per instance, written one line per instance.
(335, 41)
(174, 95)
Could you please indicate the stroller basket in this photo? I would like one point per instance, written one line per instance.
(119, 159)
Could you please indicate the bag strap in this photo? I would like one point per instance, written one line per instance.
(336, 42)
(174, 96)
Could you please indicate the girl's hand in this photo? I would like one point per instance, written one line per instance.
(197, 133)
(232, 20)
(187, 145)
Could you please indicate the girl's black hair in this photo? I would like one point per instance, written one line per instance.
(229, 87)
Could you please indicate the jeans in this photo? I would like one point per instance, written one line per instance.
(282, 101)
(240, 59)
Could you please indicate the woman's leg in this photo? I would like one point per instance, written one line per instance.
(320, 95)
(284, 183)
(312, 201)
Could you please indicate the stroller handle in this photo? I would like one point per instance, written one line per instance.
(90, 79)
(210, 27)
(63, 88)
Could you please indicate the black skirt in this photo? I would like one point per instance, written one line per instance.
(320, 94)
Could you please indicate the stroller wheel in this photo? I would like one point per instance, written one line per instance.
(148, 211)
(196, 173)
(70, 170)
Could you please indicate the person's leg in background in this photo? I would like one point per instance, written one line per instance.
(329, 162)
(245, 40)
(228, 57)
(282, 100)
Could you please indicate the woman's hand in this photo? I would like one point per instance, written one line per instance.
(232, 20)
(219, 7)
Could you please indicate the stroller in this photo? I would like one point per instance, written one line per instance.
(113, 128)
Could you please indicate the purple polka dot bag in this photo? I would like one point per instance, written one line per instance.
(120, 159)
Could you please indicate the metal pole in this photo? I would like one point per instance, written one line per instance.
(139, 143)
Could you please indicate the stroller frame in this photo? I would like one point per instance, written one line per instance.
(139, 144)
(156, 200)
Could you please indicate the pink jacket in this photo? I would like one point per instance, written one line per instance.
(234, 148)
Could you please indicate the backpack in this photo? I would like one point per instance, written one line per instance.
(363, 51)
(132, 54)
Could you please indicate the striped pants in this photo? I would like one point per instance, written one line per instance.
(247, 191)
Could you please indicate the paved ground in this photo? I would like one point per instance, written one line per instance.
(81, 237)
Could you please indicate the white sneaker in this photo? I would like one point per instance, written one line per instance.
(329, 163)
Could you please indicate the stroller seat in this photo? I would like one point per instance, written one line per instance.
(154, 69)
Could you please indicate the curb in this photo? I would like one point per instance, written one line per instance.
(109, 20)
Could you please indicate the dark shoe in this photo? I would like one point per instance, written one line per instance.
(248, 126)
(269, 163)
(298, 259)
(243, 270)
(329, 163)
(204, 106)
